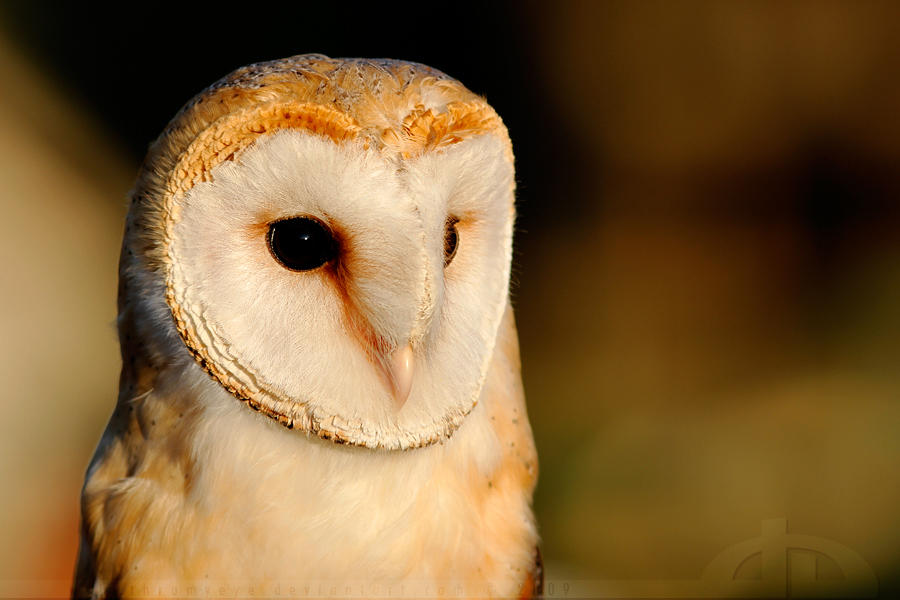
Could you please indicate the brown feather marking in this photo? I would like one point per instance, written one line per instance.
(234, 132)
(424, 129)
(375, 346)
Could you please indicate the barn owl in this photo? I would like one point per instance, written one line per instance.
(321, 382)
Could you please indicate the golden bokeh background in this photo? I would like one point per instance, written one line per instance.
(707, 279)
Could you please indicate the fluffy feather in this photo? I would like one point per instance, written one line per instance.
(189, 490)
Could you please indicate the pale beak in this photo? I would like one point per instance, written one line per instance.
(401, 374)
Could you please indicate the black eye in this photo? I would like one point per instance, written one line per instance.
(301, 243)
(451, 240)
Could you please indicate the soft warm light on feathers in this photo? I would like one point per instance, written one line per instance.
(381, 345)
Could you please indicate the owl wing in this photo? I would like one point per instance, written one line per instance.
(533, 588)
(85, 572)
(103, 471)
(112, 464)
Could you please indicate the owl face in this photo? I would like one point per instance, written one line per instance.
(344, 291)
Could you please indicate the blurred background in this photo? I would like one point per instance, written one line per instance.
(707, 274)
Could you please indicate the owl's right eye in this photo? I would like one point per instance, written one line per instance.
(302, 243)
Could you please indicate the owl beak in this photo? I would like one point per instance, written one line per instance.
(401, 374)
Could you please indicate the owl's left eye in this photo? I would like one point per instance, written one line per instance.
(451, 240)
(302, 243)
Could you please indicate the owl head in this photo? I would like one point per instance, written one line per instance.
(330, 240)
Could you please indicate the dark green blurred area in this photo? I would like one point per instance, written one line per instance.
(708, 264)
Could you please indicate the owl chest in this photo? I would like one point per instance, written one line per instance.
(327, 517)
(237, 500)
